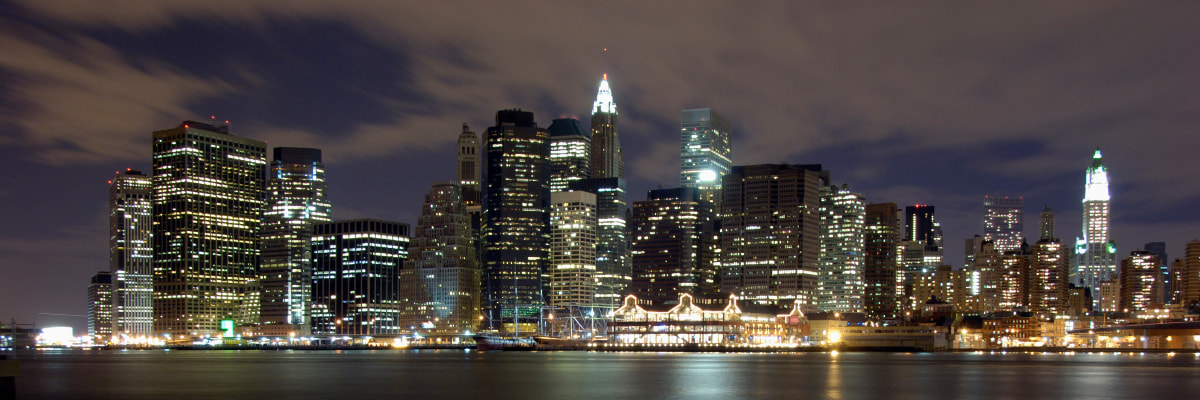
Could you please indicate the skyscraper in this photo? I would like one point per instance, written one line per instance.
(570, 153)
(468, 165)
(613, 267)
(1185, 273)
(1164, 281)
(439, 285)
(100, 302)
(1095, 252)
(1050, 265)
(517, 217)
(705, 148)
(920, 224)
(673, 246)
(1139, 274)
(573, 228)
(208, 209)
(296, 199)
(1046, 224)
(770, 241)
(841, 284)
(607, 161)
(1003, 224)
(356, 277)
(881, 236)
(131, 254)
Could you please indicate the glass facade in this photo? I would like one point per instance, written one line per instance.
(439, 286)
(613, 267)
(573, 226)
(296, 199)
(356, 277)
(131, 255)
(881, 238)
(673, 246)
(208, 210)
(705, 147)
(570, 153)
(840, 285)
(1003, 222)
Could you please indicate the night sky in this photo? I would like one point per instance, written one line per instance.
(938, 103)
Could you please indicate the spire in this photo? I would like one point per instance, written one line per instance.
(604, 99)
(1096, 185)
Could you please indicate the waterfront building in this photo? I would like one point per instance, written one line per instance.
(1050, 266)
(881, 238)
(606, 158)
(570, 153)
(100, 307)
(614, 269)
(689, 322)
(356, 277)
(439, 285)
(296, 199)
(840, 283)
(1139, 274)
(131, 254)
(516, 211)
(1095, 252)
(770, 233)
(673, 246)
(1003, 222)
(467, 167)
(208, 208)
(573, 231)
(705, 152)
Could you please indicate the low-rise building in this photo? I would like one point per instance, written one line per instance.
(690, 323)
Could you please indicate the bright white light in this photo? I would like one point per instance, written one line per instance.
(708, 175)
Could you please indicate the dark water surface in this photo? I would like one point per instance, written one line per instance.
(446, 374)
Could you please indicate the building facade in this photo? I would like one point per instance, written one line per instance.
(356, 277)
(467, 167)
(1095, 252)
(439, 285)
(296, 199)
(1003, 224)
(208, 209)
(613, 266)
(607, 160)
(841, 284)
(705, 152)
(673, 246)
(100, 307)
(1139, 276)
(881, 238)
(131, 254)
(570, 153)
(573, 234)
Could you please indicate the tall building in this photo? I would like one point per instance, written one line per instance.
(673, 246)
(705, 149)
(920, 225)
(467, 166)
(770, 235)
(208, 210)
(613, 268)
(131, 254)
(881, 238)
(1138, 275)
(356, 277)
(570, 153)
(573, 228)
(1046, 224)
(1003, 224)
(1095, 252)
(296, 199)
(1049, 279)
(439, 285)
(841, 284)
(1164, 281)
(517, 218)
(1185, 274)
(100, 303)
(987, 282)
(607, 161)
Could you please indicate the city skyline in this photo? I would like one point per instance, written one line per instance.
(995, 125)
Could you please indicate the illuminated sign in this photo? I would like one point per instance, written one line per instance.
(227, 328)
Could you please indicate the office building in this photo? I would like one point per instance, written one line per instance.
(570, 153)
(841, 284)
(1164, 282)
(131, 255)
(607, 161)
(467, 167)
(673, 246)
(613, 268)
(1095, 252)
(1049, 274)
(356, 277)
(920, 225)
(439, 285)
(208, 210)
(881, 238)
(296, 199)
(770, 233)
(100, 311)
(1003, 222)
(516, 218)
(705, 152)
(1139, 273)
(1185, 274)
(573, 233)
(1046, 224)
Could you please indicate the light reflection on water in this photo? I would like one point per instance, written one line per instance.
(271, 375)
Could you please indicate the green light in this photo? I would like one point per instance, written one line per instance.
(1112, 248)
(227, 328)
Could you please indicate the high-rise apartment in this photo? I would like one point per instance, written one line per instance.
(131, 255)
(208, 209)
(607, 161)
(296, 199)
(356, 277)
(573, 231)
(673, 245)
(1095, 252)
(570, 153)
(517, 217)
(841, 284)
(1185, 274)
(705, 148)
(881, 238)
(1049, 283)
(770, 233)
(1139, 274)
(1003, 224)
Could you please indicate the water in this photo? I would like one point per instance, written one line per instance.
(445, 374)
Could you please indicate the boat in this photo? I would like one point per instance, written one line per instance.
(493, 342)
